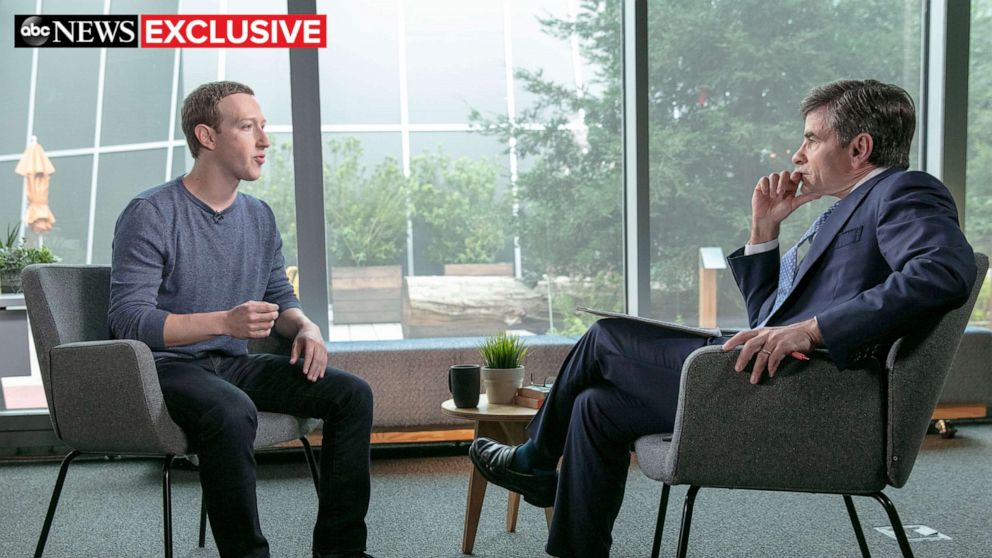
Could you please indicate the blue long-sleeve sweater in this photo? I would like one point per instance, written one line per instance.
(172, 253)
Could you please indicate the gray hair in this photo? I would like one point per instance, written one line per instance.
(885, 112)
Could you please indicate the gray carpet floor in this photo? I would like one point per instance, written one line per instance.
(113, 508)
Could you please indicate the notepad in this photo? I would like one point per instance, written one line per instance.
(691, 330)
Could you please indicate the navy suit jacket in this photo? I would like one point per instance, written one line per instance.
(891, 254)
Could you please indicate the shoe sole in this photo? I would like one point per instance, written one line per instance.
(484, 471)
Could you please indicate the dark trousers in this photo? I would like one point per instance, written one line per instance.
(215, 399)
(619, 382)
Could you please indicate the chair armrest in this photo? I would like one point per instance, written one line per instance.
(811, 427)
(106, 398)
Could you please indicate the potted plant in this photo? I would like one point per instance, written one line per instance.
(502, 366)
(14, 257)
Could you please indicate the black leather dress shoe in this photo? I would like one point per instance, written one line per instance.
(493, 459)
(338, 555)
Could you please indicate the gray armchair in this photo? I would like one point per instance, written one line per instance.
(811, 428)
(103, 394)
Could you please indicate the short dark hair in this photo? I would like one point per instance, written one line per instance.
(200, 107)
(885, 112)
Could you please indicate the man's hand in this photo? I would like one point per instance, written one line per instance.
(250, 320)
(769, 346)
(310, 344)
(773, 200)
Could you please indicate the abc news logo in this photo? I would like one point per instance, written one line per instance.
(171, 31)
(68, 31)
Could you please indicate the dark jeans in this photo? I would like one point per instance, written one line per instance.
(619, 382)
(214, 399)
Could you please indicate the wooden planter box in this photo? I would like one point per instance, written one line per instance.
(10, 281)
(366, 295)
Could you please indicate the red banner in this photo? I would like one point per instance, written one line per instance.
(233, 31)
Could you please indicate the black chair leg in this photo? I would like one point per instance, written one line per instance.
(203, 523)
(167, 504)
(659, 527)
(690, 498)
(54, 503)
(890, 509)
(851, 511)
(308, 451)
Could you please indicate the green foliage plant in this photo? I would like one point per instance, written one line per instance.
(502, 351)
(10, 242)
(467, 219)
(603, 290)
(979, 167)
(715, 125)
(366, 212)
(14, 256)
(276, 187)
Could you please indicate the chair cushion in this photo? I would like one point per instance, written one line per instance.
(275, 428)
(652, 456)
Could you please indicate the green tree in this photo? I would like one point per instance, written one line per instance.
(725, 81)
(979, 202)
(276, 187)
(366, 213)
(466, 219)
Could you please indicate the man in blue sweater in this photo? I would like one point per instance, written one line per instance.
(197, 272)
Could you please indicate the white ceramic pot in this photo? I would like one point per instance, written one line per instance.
(502, 383)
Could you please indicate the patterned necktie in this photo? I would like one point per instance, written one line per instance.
(790, 261)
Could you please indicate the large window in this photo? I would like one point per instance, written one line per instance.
(471, 165)
(103, 116)
(472, 151)
(978, 221)
(109, 122)
(726, 79)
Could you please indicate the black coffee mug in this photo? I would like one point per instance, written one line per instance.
(463, 382)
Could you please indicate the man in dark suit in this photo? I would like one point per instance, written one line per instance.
(887, 255)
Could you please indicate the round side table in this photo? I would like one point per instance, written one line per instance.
(506, 424)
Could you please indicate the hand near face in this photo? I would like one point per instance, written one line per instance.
(773, 200)
(251, 320)
(309, 344)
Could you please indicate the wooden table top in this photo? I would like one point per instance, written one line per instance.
(487, 411)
